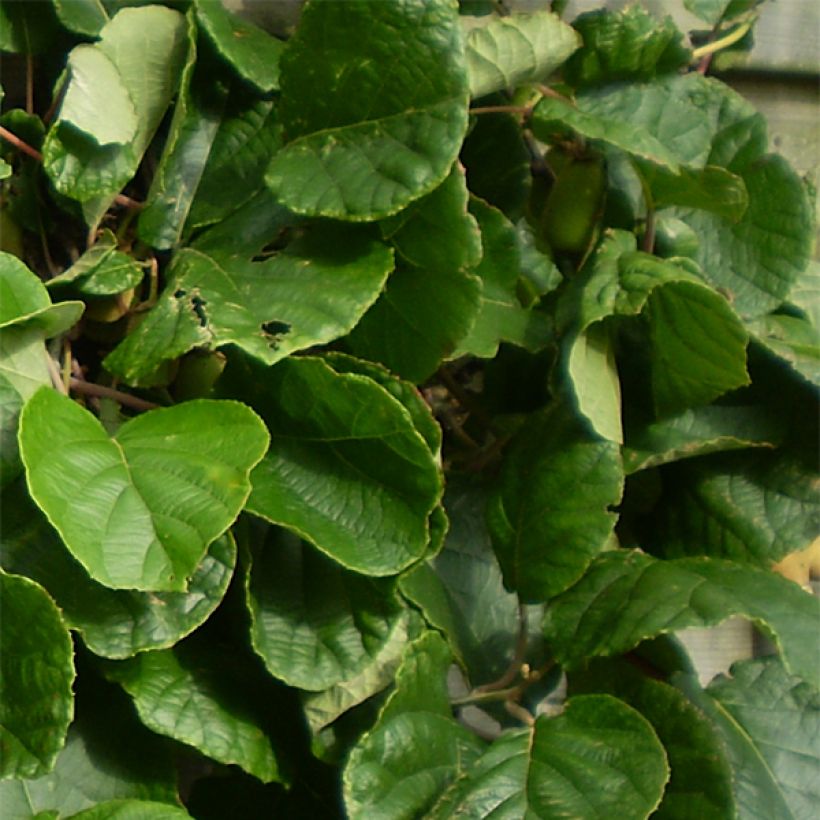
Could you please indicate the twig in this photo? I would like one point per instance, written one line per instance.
(120, 199)
(723, 42)
(523, 110)
(29, 84)
(56, 378)
(99, 391)
(519, 712)
(517, 659)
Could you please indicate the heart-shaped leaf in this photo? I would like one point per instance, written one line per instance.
(141, 512)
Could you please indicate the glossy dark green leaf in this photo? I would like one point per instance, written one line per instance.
(550, 514)
(768, 720)
(37, 663)
(700, 782)
(793, 340)
(630, 44)
(599, 758)
(113, 623)
(188, 693)
(81, 16)
(252, 52)
(95, 765)
(102, 270)
(311, 293)
(312, 622)
(135, 40)
(401, 767)
(347, 472)
(397, 133)
(501, 317)
(627, 596)
(748, 507)
(131, 810)
(26, 28)
(515, 49)
(142, 512)
(437, 232)
(418, 321)
(698, 432)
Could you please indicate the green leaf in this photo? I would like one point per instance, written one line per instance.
(700, 431)
(101, 271)
(517, 49)
(700, 782)
(501, 317)
(711, 189)
(311, 293)
(698, 346)
(252, 53)
(190, 694)
(626, 597)
(347, 472)
(549, 516)
(113, 623)
(748, 507)
(26, 28)
(436, 232)
(552, 117)
(759, 258)
(96, 101)
(37, 662)
(131, 810)
(147, 48)
(85, 17)
(400, 768)
(247, 136)
(768, 720)
(95, 765)
(143, 511)
(25, 303)
(630, 44)
(11, 403)
(312, 622)
(398, 132)
(713, 11)
(190, 136)
(792, 340)
(322, 708)
(805, 293)
(599, 758)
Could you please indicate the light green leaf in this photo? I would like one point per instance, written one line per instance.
(101, 271)
(552, 117)
(748, 507)
(550, 514)
(805, 293)
(698, 346)
(113, 623)
(5, 169)
(131, 810)
(252, 53)
(501, 316)
(247, 137)
(759, 258)
(626, 597)
(322, 708)
(147, 48)
(711, 189)
(141, 513)
(517, 49)
(771, 723)
(700, 783)
(713, 11)
(348, 471)
(599, 758)
(400, 768)
(700, 431)
(630, 44)
(96, 101)
(37, 663)
(397, 133)
(95, 765)
(191, 134)
(312, 622)
(11, 403)
(790, 339)
(190, 694)
(81, 16)
(418, 321)
(23, 360)
(311, 293)
(436, 232)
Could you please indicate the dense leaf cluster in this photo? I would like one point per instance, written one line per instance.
(376, 400)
